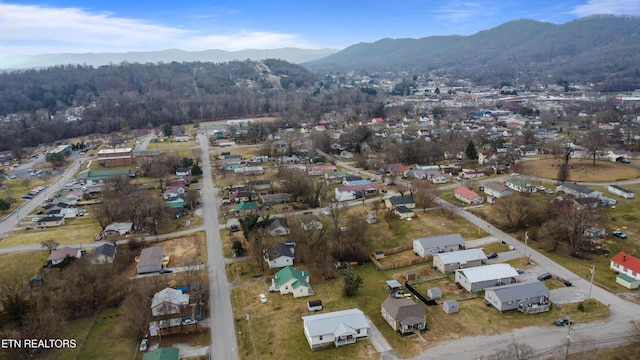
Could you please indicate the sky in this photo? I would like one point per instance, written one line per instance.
(80, 26)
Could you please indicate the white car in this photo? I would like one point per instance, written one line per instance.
(263, 298)
(189, 321)
(144, 344)
(35, 219)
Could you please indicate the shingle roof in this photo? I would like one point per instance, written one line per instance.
(337, 321)
(519, 291)
(404, 310)
(467, 193)
(106, 250)
(151, 256)
(398, 200)
(440, 240)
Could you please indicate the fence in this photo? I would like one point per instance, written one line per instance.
(398, 264)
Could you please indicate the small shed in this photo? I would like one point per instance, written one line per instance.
(434, 293)
(314, 305)
(450, 306)
(393, 285)
(372, 219)
(379, 254)
(411, 274)
(627, 281)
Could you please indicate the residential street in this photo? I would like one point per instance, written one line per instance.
(223, 336)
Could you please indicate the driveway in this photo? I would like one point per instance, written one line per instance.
(379, 342)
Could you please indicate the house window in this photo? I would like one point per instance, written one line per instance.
(634, 273)
(625, 269)
(615, 265)
(358, 331)
(320, 338)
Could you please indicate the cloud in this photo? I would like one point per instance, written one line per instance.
(459, 11)
(30, 29)
(628, 7)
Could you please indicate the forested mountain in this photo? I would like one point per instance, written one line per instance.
(142, 96)
(603, 50)
(293, 55)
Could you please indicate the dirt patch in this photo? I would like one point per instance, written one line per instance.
(185, 250)
(581, 170)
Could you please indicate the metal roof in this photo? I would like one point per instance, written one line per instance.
(328, 323)
(461, 256)
(488, 272)
(519, 291)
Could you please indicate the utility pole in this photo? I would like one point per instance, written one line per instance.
(592, 270)
(526, 238)
(566, 352)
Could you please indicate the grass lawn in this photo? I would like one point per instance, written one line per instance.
(24, 264)
(75, 231)
(108, 339)
(581, 170)
(274, 330)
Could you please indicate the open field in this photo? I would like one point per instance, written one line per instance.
(23, 264)
(274, 329)
(75, 231)
(581, 170)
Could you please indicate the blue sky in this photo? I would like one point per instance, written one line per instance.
(77, 26)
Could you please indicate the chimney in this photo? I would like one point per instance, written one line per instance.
(624, 257)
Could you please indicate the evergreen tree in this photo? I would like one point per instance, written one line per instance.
(471, 152)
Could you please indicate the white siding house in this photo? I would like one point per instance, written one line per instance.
(617, 190)
(529, 297)
(482, 277)
(338, 327)
(451, 261)
(437, 244)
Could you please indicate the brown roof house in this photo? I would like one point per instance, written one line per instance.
(404, 315)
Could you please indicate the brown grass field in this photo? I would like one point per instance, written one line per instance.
(582, 170)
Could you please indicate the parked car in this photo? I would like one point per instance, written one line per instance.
(545, 276)
(166, 271)
(189, 321)
(325, 212)
(541, 188)
(263, 298)
(520, 271)
(35, 219)
(622, 159)
(548, 191)
(144, 344)
(492, 255)
(563, 321)
(234, 228)
(619, 234)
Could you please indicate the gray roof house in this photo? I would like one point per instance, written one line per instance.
(150, 260)
(404, 315)
(482, 277)
(528, 297)
(452, 261)
(426, 246)
(104, 254)
(496, 190)
(118, 229)
(338, 327)
(578, 190)
(278, 227)
(280, 255)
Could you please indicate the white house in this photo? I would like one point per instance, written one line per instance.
(482, 277)
(441, 178)
(628, 269)
(496, 190)
(169, 301)
(520, 185)
(58, 255)
(467, 195)
(279, 256)
(431, 245)
(338, 327)
(451, 261)
(290, 280)
(578, 191)
(345, 193)
(617, 190)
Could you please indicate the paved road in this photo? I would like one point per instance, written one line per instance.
(223, 336)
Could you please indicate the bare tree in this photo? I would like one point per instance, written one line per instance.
(425, 192)
(593, 142)
(513, 210)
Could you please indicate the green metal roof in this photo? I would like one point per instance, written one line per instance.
(243, 206)
(627, 278)
(285, 275)
(162, 354)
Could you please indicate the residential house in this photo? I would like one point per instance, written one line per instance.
(449, 262)
(169, 301)
(162, 354)
(404, 315)
(578, 191)
(395, 201)
(440, 178)
(258, 185)
(496, 190)
(485, 158)
(57, 256)
(431, 245)
(310, 221)
(520, 185)
(50, 221)
(104, 254)
(280, 255)
(249, 170)
(620, 191)
(419, 173)
(628, 269)
(174, 191)
(347, 180)
(150, 260)
(183, 171)
(339, 327)
(321, 169)
(467, 195)
(65, 212)
(528, 297)
(403, 212)
(585, 202)
(275, 198)
(246, 207)
(346, 155)
(471, 174)
(240, 194)
(528, 150)
(481, 277)
(290, 280)
(289, 159)
(278, 227)
(120, 229)
(613, 155)
(345, 193)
